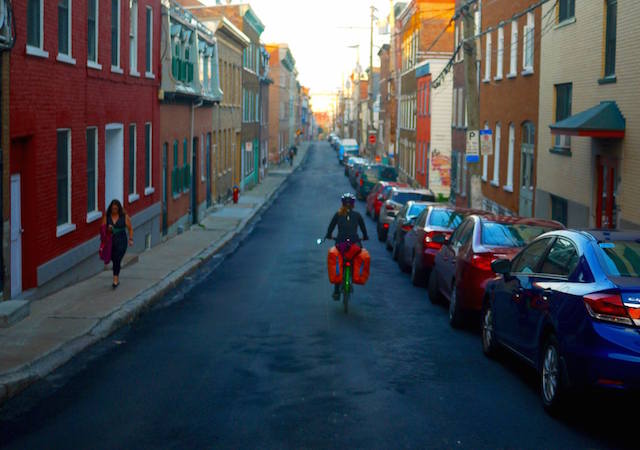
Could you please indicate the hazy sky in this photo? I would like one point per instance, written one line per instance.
(317, 35)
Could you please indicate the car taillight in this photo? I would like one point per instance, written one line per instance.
(389, 207)
(407, 227)
(361, 182)
(482, 261)
(385, 225)
(429, 243)
(609, 307)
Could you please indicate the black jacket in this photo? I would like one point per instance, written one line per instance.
(348, 227)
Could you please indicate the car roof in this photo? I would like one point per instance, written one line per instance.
(602, 235)
(519, 220)
(349, 142)
(410, 189)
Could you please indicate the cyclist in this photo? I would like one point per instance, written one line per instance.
(348, 222)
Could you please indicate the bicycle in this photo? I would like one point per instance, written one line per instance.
(349, 251)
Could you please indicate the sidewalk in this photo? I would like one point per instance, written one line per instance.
(65, 323)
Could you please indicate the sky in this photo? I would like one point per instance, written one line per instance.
(318, 37)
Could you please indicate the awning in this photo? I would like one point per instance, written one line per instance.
(602, 121)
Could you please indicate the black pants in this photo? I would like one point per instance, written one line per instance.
(117, 253)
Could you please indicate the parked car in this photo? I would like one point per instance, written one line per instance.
(569, 305)
(356, 171)
(421, 243)
(463, 266)
(336, 143)
(403, 222)
(372, 175)
(376, 196)
(330, 138)
(394, 200)
(348, 147)
(349, 163)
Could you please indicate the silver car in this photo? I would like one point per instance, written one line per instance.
(394, 201)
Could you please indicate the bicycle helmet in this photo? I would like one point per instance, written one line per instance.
(348, 199)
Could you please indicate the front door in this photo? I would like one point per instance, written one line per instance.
(526, 170)
(114, 164)
(165, 190)
(208, 170)
(607, 187)
(16, 237)
(194, 181)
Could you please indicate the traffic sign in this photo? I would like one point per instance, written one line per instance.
(372, 139)
(486, 142)
(473, 146)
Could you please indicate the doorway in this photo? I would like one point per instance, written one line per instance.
(16, 237)
(606, 192)
(526, 169)
(114, 164)
(194, 181)
(208, 169)
(165, 191)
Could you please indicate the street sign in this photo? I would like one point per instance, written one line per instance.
(486, 142)
(372, 139)
(473, 146)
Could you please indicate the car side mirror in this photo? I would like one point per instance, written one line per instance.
(501, 266)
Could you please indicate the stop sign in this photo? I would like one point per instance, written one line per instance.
(372, 139)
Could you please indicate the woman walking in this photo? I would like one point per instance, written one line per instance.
(118, 222)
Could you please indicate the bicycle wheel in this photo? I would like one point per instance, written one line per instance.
(345, 301)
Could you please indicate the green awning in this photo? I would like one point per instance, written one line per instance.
(602, 121)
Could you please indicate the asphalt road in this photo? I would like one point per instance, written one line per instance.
(257, 355)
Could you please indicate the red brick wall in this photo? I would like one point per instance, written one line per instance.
(47, 95)
(423, 130)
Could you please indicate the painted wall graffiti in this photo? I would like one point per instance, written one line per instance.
(440, 176)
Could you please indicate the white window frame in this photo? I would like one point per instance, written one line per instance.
(134, 195)
(39, 50)
(91, 63)
(117, 68)
(528, 43)
(149, 37)
(496, 155)
(487, 58)
(500, 55)
(485, 160)
(69, 226)
(66, 57)
(96, 213)
(512, 142)
(133, 38)
(513, 57)
(149, 189)
(461, 105)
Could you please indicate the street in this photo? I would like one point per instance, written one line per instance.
(257, 355)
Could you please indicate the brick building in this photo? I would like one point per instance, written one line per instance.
(281, 101)
(386, 130)
(73, 75)
(190, 87)
(423, 124)
(509, 87)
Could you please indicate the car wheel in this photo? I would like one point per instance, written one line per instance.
(380, 236)
(433, 290)
(489, 343)
(394, 251)
(387, 242)
(417, 275)
(401, 259)
(551, 388)
(456, 319)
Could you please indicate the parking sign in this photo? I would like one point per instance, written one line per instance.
(473, 146)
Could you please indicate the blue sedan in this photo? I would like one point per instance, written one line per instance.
(569, 305)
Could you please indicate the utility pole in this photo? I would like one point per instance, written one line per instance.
(371, 78)
(472, 97)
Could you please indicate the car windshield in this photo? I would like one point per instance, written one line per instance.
(509, 234)
(445, 218)
(381, 173)
(415, 211)
(621, 258)
(404, 197)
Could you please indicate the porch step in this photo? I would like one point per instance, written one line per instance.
(13, 311)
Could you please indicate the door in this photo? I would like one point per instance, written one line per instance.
(194, 181)
(450, 253)
(526, 169)
(114, 164)
(165, 189)
(208, 170)
(606, 192)
(16, 237)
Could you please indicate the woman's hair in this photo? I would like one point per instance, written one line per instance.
(121, 211)
(344, 209)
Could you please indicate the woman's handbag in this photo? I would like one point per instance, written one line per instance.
(105, 244)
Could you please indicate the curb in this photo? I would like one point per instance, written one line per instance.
(14, 382)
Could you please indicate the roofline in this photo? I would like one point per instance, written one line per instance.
(234, 30)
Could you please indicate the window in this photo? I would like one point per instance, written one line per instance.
(147, 157)
(500, 62)
(185, 166)
(513, 58)
(566, 10)
(64, 30)
(175, 186)
(496, 156)
(133, 37)
(148, 45)
(92, 32)
(561, 260)
(454, 109)
(487, 58)
(132, 160)
(527, 161)
(610, 38)
(461, 108)
(564, 93)
(620, 258)
(559, 209)
(496, 234)
(63, 178)
(35, 13)
(92, 169)
(528, 260)
(485, 160)
(527, 45)
(115, 35)
(512, 143)
(202, 158)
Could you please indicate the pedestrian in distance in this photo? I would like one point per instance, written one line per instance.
(118, 224)
(291, 155)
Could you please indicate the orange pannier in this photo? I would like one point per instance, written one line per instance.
(334, 265)
(361, 267)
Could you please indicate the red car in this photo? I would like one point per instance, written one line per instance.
(463, 265)
(377, 194)
(420, 246)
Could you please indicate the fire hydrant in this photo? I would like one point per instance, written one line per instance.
(236, 194)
